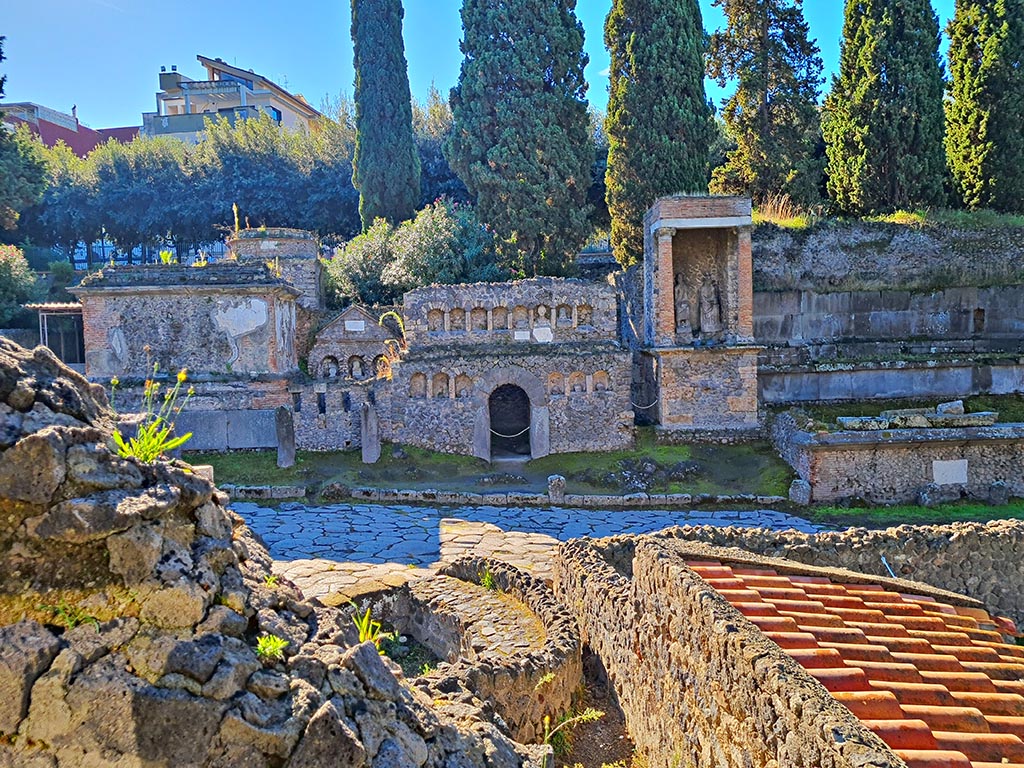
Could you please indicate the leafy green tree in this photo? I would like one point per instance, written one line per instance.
(67, 213)
(597, 194)
(520, 140)
(659, 120)
(985, 104)
(17, 283)
(355, 274)
(432, 123)
(445, 243)
(883, 122)
(386, 166)
(773, 115)
(22, 170)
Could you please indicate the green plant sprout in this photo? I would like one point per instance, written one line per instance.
(559, 738)
(487, 581)
(270, 580)
(154, 435)
(69, 616)
(166, 257)
(370, 630)
(426, 669)
(270, 647)
(545, 679)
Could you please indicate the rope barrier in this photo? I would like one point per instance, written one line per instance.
(509, 437)
(645, 407)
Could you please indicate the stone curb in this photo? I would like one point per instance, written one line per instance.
(264, 492)
(588, 501)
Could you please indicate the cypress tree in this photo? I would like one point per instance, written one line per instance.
(520, 140)
(386, 165)
(883, 122)
(773, 116)
(985, 108)
(659, 120)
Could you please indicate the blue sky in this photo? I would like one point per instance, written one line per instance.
(105, 55)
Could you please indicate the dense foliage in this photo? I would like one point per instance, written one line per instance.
(22, 173)
(521, 140)
(882, 122)
(773, 115)
(386, 164)
(17, 283)
(159, 191)
(432, 123)
(659, 121)
(985, 108)
(444, 243)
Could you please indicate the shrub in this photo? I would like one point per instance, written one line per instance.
(445, 243)
(17, 283)
(354, 274)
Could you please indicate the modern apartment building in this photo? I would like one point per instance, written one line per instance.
(184, 104)
(52, 126)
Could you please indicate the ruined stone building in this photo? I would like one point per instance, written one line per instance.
(530, 367)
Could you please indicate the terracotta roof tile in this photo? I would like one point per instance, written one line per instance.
(940, 684)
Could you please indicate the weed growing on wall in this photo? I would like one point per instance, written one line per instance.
(270, 648)
(154, 436)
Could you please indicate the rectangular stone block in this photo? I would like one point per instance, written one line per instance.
(208, 428)
(251, 429)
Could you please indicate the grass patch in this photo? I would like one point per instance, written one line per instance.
(1009, 407)
(944, 217)
(710, 469)
(885, 517)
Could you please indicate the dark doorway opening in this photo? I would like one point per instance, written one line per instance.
(509, 407)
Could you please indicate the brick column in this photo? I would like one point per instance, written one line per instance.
(745, 329)
(664, 286)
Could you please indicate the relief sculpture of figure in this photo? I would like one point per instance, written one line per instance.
(710, 308)
(682, 304)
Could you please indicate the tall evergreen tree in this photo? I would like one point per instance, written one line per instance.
(773, 115)
(985, 108)
(386, 165)
(883, 122)
(659, 121)
(520, 139)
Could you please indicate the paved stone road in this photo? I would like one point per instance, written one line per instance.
(350, 549)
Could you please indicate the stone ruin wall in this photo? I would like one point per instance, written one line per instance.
(981, 560)
(524, 687)
(221, 318)
(699, 684)
(895, 466)
(439, 399)
(543, 310)
(295, 256)
(168, 675)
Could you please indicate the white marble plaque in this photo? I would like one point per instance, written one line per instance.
(543, 335)
(355, 325)
(522, 335)
(950, 472)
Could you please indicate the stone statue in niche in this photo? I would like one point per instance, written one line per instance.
(356, 368)
(682, 305)
(331, 368)
(543, 321)
(418, 386)
(710, 308)
(564, 319)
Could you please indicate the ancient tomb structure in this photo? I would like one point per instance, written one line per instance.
(700, 361)
(907, 456)
(529, 368)
(293, 256)
(228, 317)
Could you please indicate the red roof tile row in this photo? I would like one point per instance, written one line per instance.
(940, 684)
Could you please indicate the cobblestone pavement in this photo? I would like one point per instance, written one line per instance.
(344, 550)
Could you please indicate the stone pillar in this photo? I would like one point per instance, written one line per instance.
(540, 431)
(664, 319)
(370, 434)
(745, 328)
(285, 427)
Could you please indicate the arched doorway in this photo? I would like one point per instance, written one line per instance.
(509, 409)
